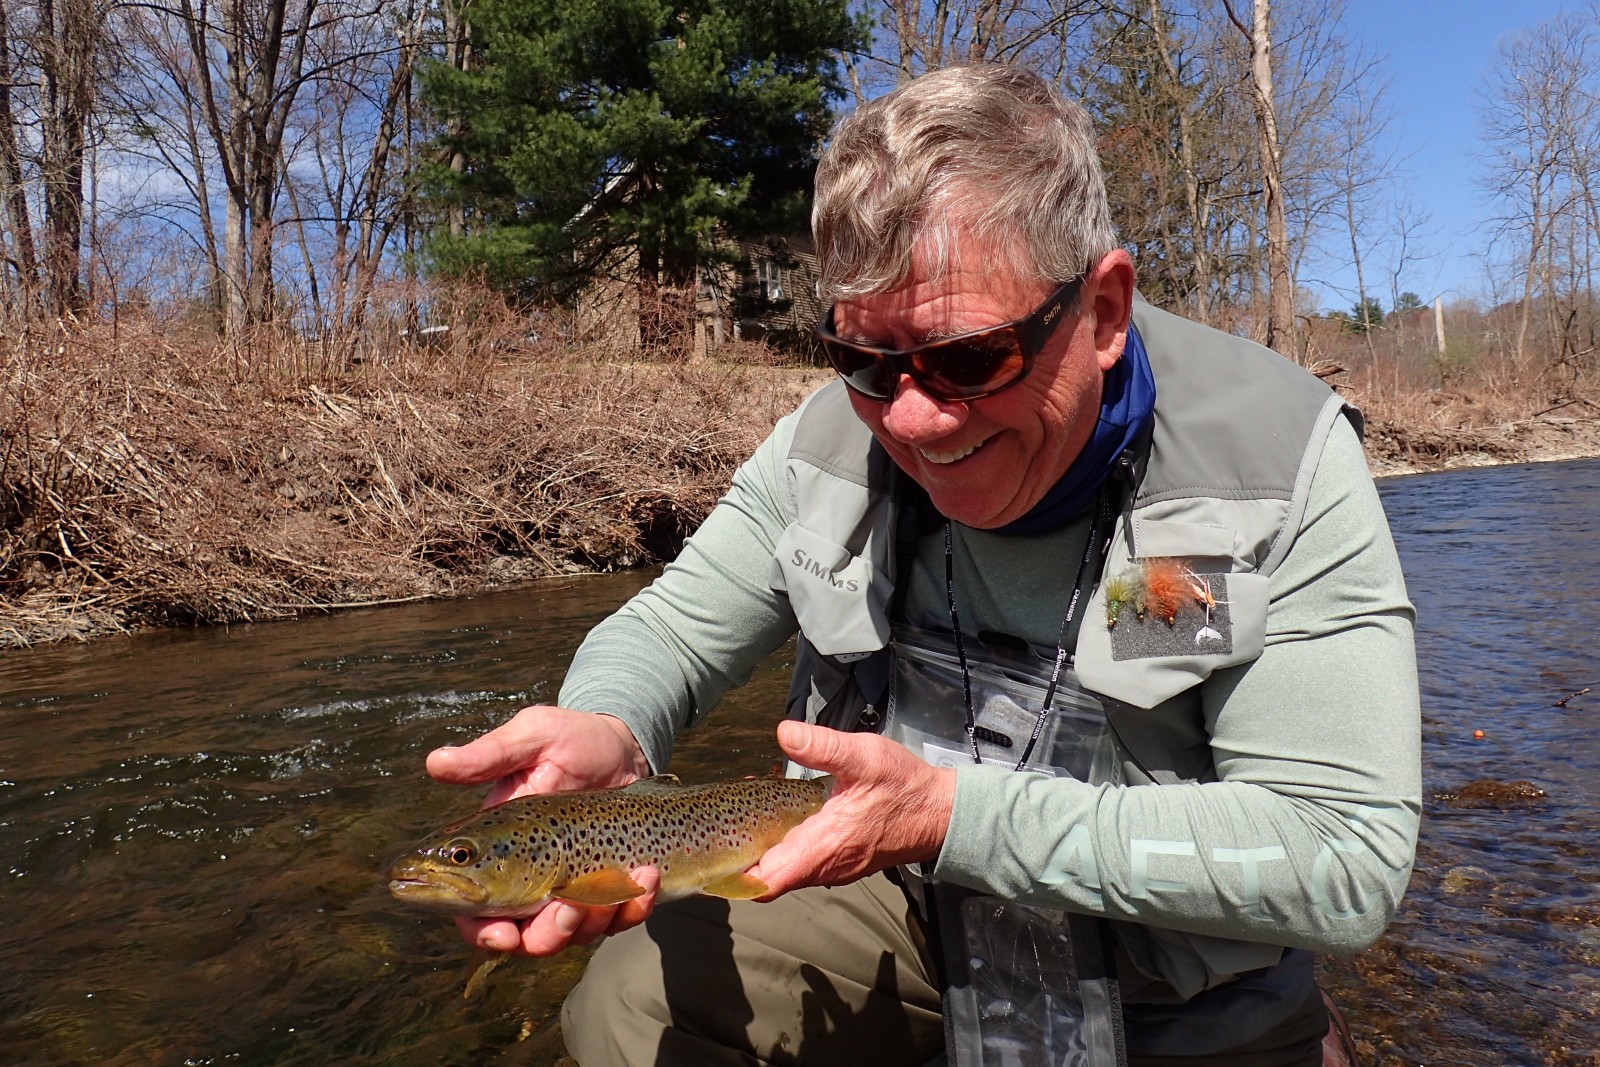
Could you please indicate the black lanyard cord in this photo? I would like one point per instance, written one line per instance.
(1088, 571)
(961, 653)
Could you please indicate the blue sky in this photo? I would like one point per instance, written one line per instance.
(1437, 55)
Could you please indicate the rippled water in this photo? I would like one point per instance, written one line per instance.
(1495, 957)
(192, 825)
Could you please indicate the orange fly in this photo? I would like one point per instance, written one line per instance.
(1166, 586)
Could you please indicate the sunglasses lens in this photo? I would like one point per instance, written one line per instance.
(864, 371)
(971, 367)
(963, 369)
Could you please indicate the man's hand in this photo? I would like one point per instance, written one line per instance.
(543, 749)
(887, 807)
(540, 750)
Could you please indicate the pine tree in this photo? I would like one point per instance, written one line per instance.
(620, 136)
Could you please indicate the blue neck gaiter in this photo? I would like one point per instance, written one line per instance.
(1127, 403)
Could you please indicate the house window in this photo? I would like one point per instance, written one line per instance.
(770, 277)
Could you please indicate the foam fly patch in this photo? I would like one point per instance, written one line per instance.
(1180, 613)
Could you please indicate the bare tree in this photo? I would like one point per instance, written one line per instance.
(1542, 131)
(457, 43)
(353, 133)
(23, 272)
(1362, 173)
(52, 67)
(1280, 313)
(917, 36)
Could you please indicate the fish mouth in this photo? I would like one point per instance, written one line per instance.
(436, 888)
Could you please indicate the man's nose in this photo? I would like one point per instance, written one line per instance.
(912, 416)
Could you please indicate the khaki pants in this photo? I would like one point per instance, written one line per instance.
(819, 976)
(831, 977)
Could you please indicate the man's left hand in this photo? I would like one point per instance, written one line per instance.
(888, 807)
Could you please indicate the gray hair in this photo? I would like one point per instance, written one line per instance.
(991, 153)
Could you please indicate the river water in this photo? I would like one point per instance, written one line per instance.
(193, 825)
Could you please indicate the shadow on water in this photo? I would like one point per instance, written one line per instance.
(192, 825)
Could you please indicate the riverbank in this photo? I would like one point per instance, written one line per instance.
(147, 479)
(1395, 449)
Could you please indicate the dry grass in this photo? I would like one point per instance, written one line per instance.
(1423, 425)
(149, 478)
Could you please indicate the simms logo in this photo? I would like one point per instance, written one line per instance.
(811, 566)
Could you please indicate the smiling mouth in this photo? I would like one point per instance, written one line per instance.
(942, 458)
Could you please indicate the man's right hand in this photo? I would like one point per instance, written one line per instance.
(540, 750)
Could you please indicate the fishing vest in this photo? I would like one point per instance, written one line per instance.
(1237, 434)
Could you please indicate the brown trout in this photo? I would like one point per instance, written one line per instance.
(510, 860)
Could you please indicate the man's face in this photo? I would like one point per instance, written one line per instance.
(986, 462)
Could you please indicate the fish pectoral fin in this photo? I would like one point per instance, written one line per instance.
(610, 886)
(483, 962)
(737, 886)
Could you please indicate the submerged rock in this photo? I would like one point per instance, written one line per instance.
(1489, 793)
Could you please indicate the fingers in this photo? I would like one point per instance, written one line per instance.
(789, 865)
(635, 911)
(496, 935)
(544, 748)
(509, 747)
(849, 757)
(887, 807)
(560, 925)
(594, 923)
(815, 747)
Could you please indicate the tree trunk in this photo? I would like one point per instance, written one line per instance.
(1199, 214)
(1280, 278)
(235, 316)
(18, 221)
(69, 32)
(458, 52)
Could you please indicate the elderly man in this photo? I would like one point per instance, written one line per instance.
(1101, 635)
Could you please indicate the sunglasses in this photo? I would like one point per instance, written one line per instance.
(968, 366)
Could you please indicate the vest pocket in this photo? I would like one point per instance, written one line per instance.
(840, 599)
(1144, 651)
(1200, 544)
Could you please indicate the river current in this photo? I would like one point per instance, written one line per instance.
(193, 825)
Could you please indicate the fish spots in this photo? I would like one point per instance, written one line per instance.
(696, 835)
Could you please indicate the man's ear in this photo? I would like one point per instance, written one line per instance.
(1108, 297)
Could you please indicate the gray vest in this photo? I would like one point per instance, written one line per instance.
(1238, 432)
(1237, 435)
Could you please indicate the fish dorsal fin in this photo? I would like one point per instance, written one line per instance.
(656, 783)
(609, 886)
(737, 886)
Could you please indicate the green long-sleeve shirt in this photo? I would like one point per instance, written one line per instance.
(1305, 840)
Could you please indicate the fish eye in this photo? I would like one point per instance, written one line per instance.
(460, 853)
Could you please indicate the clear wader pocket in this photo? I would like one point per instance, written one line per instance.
(927, 710)
(1028, 987)
(1038, 993)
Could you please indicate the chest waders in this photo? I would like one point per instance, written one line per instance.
(1027, 984)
